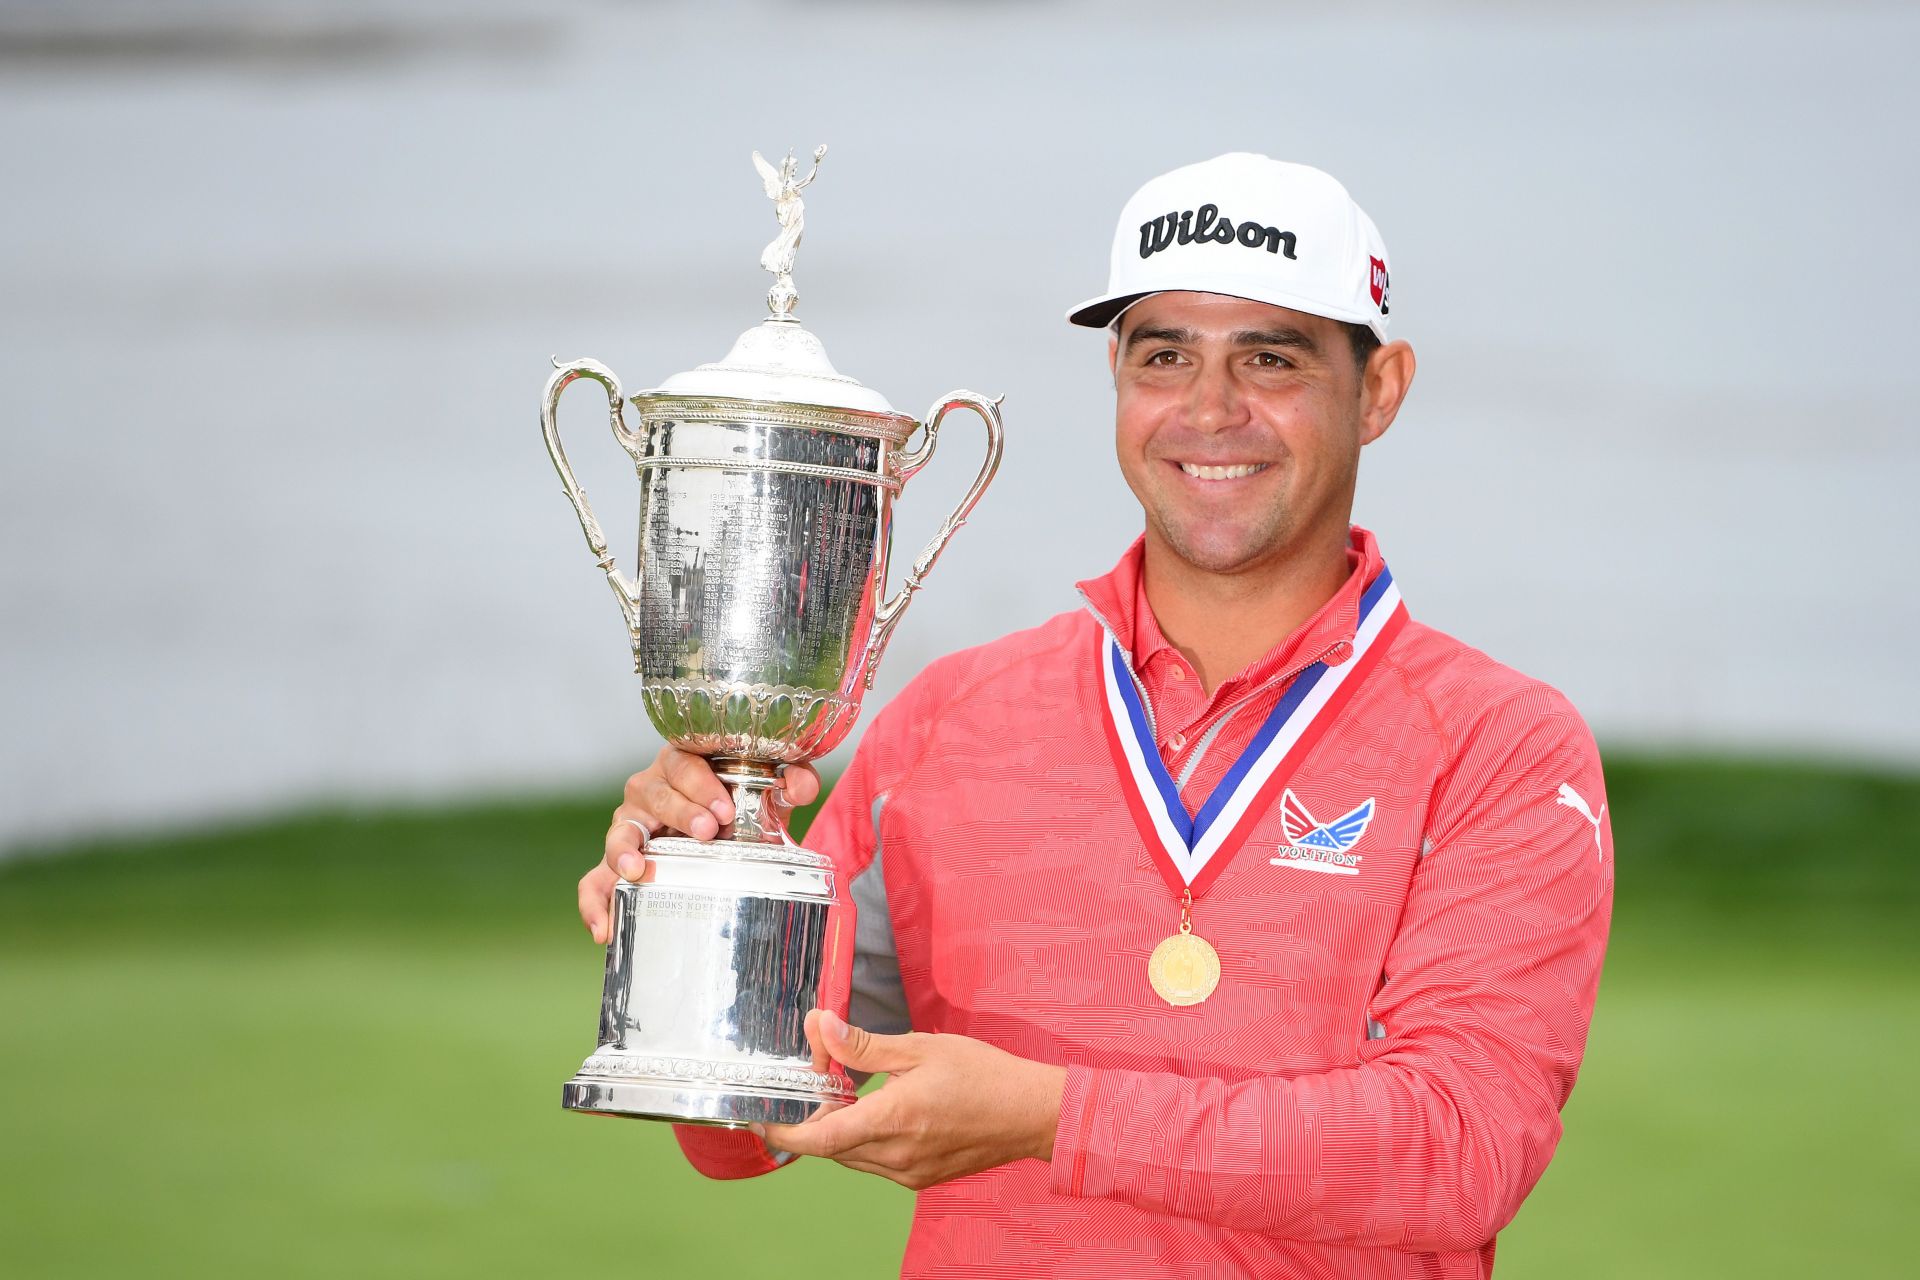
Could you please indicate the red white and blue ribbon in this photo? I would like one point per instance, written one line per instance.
(1190, 849)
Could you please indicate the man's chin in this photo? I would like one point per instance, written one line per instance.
(1223, 556)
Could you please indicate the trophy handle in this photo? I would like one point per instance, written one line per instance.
(627, 593)
(887, 617)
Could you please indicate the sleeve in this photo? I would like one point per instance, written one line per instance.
(1435, 1136)
(844, 830)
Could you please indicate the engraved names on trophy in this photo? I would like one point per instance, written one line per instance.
(679, 904)
(760, 582)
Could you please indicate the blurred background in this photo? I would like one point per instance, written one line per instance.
(315, 705)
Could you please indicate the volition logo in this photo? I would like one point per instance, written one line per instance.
(1313, 845)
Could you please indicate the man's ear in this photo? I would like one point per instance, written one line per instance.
(1383, 388)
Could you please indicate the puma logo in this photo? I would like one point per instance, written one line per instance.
(1578, 803)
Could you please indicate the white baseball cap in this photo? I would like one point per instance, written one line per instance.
(1249, 227)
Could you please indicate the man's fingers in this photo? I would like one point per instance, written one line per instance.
(690, 778)
(678, 791)
(676, 810)
(801, 784)
(829, 1134)
(596, 901)
(861, 1049)
(625, 848)
(816, 1040)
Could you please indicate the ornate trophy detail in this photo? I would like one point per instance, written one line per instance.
(757, 619)
(778, 257)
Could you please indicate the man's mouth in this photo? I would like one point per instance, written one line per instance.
(1233, 471)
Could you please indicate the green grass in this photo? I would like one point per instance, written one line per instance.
(333, 1045)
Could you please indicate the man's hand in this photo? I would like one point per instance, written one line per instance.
(677, 792)
(951, 1106)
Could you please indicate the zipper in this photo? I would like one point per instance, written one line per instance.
(1126, 653)
(1286, 678)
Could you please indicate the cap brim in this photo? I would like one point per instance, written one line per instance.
(1100, 312)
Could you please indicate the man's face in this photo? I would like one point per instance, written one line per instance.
(1239, 427)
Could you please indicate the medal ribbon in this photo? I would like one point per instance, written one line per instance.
(1191, 850)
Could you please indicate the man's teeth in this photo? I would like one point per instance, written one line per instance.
(1238, 471)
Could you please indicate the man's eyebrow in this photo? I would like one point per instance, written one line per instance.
(1284, 336)
(1178, 337)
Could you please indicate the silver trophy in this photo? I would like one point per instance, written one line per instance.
(757, 618)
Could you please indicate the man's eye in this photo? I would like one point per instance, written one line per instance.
(1164, 357)
(1270, 360)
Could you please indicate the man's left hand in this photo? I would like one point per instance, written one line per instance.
(951, 1106)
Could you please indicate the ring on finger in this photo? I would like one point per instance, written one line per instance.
(639, 826)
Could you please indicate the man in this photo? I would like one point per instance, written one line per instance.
(1235, 924)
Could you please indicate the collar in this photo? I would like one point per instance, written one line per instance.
(1118, 602)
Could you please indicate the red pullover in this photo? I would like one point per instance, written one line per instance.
(1376, 1083)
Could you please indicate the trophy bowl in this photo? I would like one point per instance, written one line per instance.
(763, 529)
(757, 619)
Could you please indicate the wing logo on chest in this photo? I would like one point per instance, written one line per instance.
(1313, 845)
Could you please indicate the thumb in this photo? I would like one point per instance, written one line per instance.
(862, 1050)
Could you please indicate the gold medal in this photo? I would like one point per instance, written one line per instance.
(1184, 969)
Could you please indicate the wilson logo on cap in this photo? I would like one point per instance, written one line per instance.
(1206, 225)
(1377, 285)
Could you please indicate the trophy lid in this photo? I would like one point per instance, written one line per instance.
(778, 360)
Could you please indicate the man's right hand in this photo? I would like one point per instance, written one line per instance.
(677, 792)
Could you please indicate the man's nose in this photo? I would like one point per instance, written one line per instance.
(1216, 400)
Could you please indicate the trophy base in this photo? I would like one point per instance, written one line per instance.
(683, 1103)
(714, 960)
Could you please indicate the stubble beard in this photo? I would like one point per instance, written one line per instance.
(1227, 553)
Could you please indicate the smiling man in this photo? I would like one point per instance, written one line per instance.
(1237, 923)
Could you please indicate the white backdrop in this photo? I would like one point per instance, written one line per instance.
(278, 287)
